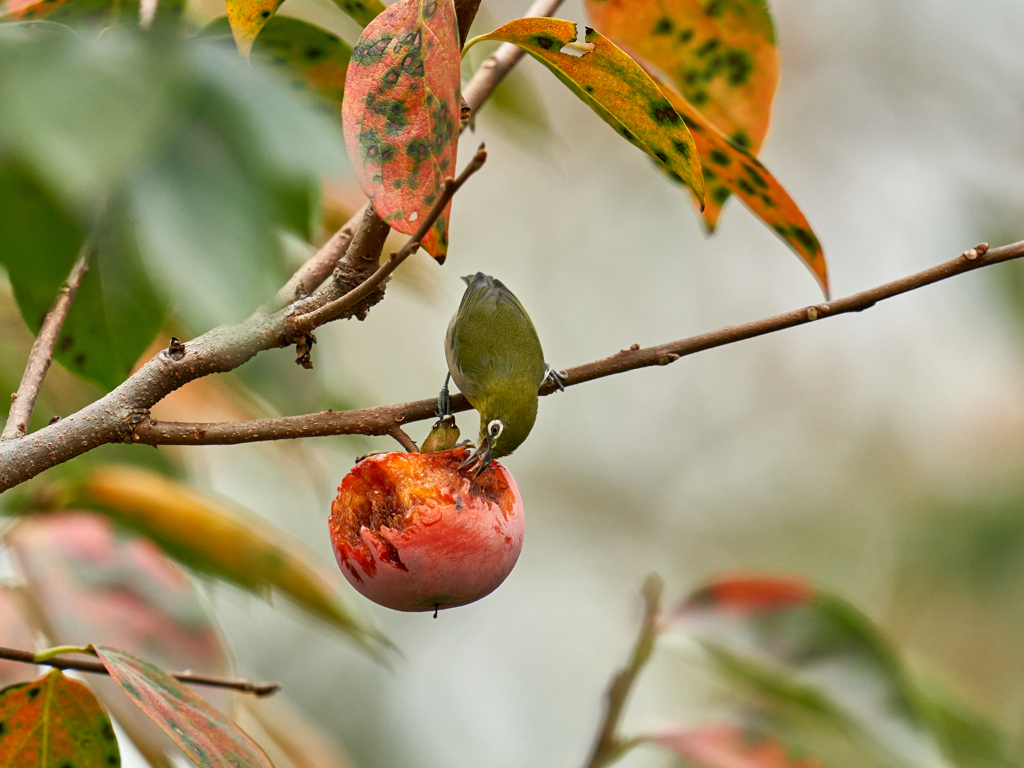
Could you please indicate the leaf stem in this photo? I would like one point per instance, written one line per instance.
(49, 658)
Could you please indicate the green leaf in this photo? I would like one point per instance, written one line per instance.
(401, 114)
(615, 87)
(247, 18)
(54, 722)
(116, 312)
(207, 737)
(808, 650)
(215, 538)
(307, 56)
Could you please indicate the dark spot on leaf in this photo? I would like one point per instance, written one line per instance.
(412, 65)
(708, 173)
(780, 229)
(745, 187)
(662, 112)
(741, 139)
(740, 66)
(709, 47)
(264, 14)
(430, 9)
(108, 731)
(719, 158)
(545, 42)
(769, 203)
(805, 238)
(32, 692)
(681, 148)
(715, 8)
(371, 51)
(313, 53)
(588, 88)
(719, 195)
(662, 26)
(685, 36)
(755, 177)
(661, 156)
(392, 75)
(699, 98)
(627, 133)
(691, 76)
(113, 760)
(66, 342)
(397, 183)
(418, 150)
(3, 727)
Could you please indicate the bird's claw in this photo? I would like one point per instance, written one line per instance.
(444, 401)
(557, 378)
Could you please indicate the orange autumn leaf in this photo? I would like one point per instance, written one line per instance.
(730, 168)
(401, 114)
(720, 54)
(615, 87)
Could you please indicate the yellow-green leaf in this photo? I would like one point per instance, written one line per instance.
(615, 87)
(720, 54)
(215, 538)
(54, 722)
(730, 168)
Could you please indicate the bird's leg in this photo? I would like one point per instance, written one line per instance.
(444, 400)
(555, 377)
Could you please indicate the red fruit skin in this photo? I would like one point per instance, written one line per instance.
(450, 540)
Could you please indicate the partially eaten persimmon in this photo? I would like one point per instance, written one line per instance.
(413, 533)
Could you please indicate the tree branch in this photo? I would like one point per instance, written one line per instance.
(377, 421)
(608, 747)
(97, 668)
(351, 300)
(403, 439)
(23, 402)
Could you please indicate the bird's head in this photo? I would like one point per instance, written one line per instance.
(503, 428)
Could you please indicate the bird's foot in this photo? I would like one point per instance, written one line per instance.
(557, 378)
(444, 400)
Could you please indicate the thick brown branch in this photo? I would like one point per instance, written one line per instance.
(376, 421)
(39, 358)
(97, 668)
(608, 747)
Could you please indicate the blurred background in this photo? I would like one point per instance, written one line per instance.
(878, 455)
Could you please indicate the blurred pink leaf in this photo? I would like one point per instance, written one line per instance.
(206, 736)
(14, 633)
(728, 745)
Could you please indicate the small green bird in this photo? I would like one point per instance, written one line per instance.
(495, 357)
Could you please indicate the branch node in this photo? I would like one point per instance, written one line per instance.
(671, 357)
(812, 313)
(175, 350)
(634, 347)
(53, 420)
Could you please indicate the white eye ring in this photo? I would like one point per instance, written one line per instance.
(494, 428)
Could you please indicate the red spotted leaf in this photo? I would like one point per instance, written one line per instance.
(720, 54)
(54, 722)
(728, 745)
(248, 17)
(730, 168)
(615, 87)
(401, 113)
(206, 736)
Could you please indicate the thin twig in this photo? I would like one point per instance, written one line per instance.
(96, 667)
(376, 421)
(403, 439)
(336, 308)
(41, 355)
(607, 746)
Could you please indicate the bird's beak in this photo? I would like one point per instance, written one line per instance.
(483, 454)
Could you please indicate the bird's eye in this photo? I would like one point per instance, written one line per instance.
(495, 427)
